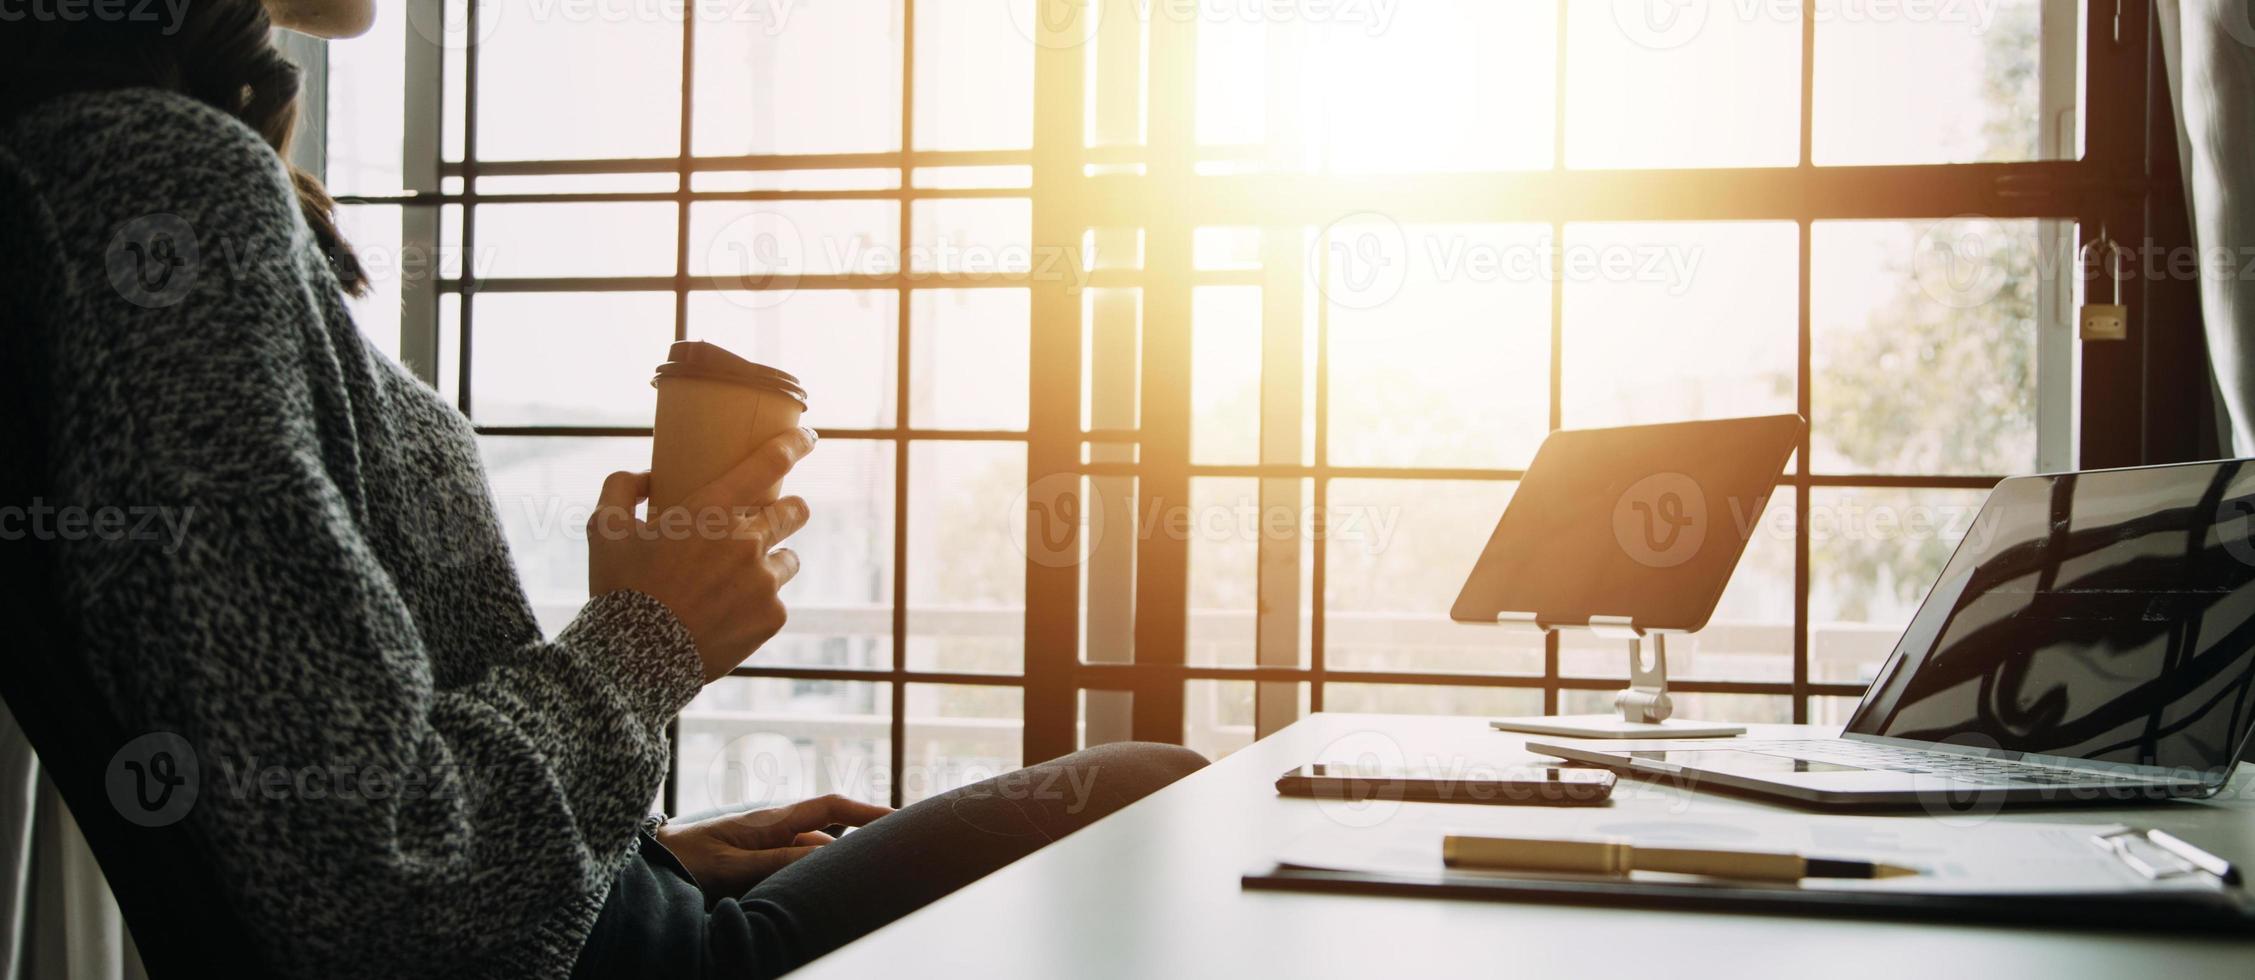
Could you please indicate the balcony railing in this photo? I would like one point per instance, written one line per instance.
(775, 742)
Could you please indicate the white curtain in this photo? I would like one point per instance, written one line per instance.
(57, 917)
(2209, 46)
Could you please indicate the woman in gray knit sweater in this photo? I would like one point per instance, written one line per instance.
(187, 350)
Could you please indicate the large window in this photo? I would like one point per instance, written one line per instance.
(1173, 360)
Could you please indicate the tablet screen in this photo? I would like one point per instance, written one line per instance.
(1642, 524)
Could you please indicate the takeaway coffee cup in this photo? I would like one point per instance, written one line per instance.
(714, 408)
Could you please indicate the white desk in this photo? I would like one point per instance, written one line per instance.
(1152, 891)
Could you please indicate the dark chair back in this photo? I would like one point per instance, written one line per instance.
(162, 876)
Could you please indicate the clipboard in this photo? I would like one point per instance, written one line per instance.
(2088, 877)
(2201, 913)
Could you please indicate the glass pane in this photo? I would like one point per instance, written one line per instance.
(750, 742)
(1440, 343)
(1923, 345)
(1106, 514)
(449, 342)
(1432, 86)
(1832, 710)
(968, 352)
(1396, 552)
(567, 358)
(766, 244)
(1225, 525)
(373, 231)
(960, 177)
(1225, 374)
(1106, 716)
(1973, 95)
(546, 240)
(574, 81)
(979, 238)
(1111, 359)
(1432, 699)
(577, 183)
(839, 342)
(1229, 522)
(1873, 554)
(367, 107)
(1748, 709)
(755, 62)
(1745, 709)
(544, 488)
(841, 601)
(1664, 84)
(960, 734)
(1225, 248)
(966, 573)
(975, 75)
(450, 250)
(1750, 635)
(851, 179)
(1232, 98)
(1113, 248)
(1679, 320)
(1217, 716)
(454, 38)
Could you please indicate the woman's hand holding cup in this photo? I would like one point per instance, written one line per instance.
(713, 559)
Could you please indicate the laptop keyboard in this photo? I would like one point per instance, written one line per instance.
(1864, 755)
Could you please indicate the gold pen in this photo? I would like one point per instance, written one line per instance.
(1608, 856)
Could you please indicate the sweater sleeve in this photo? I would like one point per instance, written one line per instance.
(370, 818)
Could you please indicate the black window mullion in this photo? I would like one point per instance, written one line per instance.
(897, 750)
(1802, 375)
(469, 285)
(1551, 669)
(681, 298)
(1052, 647)
(1162, 560)
(1319, 572)
(1802, 399)
(682, 170)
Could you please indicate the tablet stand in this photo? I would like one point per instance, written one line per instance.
(1644, 708)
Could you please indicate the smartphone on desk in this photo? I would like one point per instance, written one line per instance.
(1529, 786)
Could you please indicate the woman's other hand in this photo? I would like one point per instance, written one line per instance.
(713, 561)
(729, 854)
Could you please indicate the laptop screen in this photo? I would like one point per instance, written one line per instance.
(2106, 616)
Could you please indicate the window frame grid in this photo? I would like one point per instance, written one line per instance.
(2107, 186)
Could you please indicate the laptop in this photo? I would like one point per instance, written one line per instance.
(2092, 639)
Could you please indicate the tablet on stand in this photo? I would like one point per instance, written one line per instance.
(1632, 534)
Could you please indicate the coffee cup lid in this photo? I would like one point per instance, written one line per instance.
(712, 362)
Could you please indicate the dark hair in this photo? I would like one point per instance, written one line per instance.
(218, 52)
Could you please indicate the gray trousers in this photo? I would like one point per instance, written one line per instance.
(656, 923)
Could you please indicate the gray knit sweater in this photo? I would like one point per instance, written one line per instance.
(338, 605)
